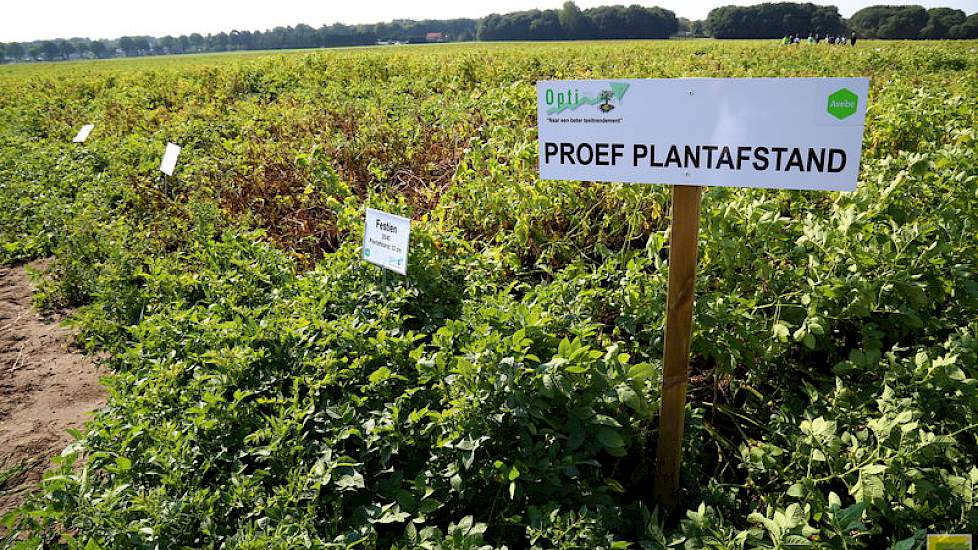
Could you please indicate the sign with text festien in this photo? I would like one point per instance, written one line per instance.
(785, 133)
(385, 240)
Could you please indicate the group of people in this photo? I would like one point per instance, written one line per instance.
(815, 39)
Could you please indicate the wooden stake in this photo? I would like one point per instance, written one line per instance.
(679, 325)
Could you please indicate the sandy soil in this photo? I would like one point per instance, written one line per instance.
(46, 386)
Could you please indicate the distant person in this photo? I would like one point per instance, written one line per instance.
(796, 40)
(852, 39)
(830, 39)
(786, 40)
(817, 38)
(811, 39)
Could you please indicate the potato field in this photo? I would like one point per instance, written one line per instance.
(270, 389)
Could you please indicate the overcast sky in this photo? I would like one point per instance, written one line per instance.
(43, 19)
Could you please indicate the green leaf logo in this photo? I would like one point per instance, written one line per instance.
(570, 100)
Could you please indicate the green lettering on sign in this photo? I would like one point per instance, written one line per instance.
(843, 103)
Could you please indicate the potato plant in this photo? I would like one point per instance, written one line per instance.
(270, 389)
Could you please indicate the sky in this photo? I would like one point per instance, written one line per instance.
(46, 19)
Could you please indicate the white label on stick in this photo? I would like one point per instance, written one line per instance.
(784, 133)
(170, 159)
(385, 240)
(83, 133)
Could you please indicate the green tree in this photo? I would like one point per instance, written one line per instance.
(197, 42)
(890, 22)
(65, 49)
(773, 20)
(572, 21)
(168, 44)
(632, 22)
(15, 51)
(966, 30)
(99, 49)
(546, 26)
(49, 50)
(235, 40)
(940, 21)
(141, 43)
(217, 42)
(128, 46)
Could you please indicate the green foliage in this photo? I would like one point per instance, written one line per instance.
(774, 20)
(269, 389)
(897, 22)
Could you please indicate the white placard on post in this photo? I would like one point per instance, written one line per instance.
(385, 240)
(784, 133)
(170, 159)
(83, 133)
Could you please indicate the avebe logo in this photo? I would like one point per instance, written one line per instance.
(948, 542)
(842, 103)
(571, 98)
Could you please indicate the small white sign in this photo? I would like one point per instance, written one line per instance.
(784, 133)
(170, 159)
(385, 240)
(83, 133)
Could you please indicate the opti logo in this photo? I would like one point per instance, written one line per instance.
(571, 98)
(843, 103)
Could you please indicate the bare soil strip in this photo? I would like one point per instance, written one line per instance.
(46, 387)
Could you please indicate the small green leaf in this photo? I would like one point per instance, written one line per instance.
(123, 464)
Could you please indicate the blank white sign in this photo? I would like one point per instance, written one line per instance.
(83, 133)
(170, 159)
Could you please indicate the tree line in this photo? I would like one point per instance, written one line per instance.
(769, 20)
(775, 20)
(571, 23)
(299, 36)
(567, 23)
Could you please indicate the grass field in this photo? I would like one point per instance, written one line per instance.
(270, 389)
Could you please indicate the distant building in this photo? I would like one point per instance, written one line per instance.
(435, 37)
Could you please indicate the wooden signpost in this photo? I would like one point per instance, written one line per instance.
(783, 133)
(679, 330)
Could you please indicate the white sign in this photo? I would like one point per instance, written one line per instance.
(170, 159)
(385, 240)
(785, 133)
(83, 133)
